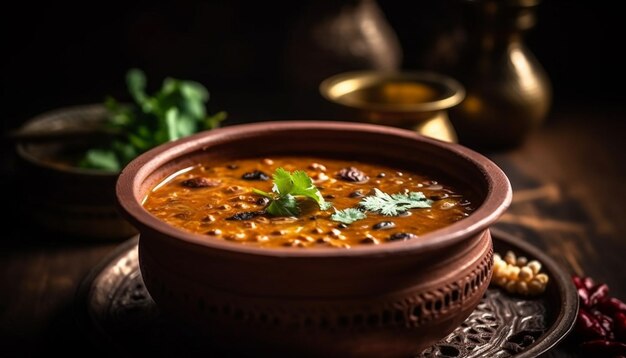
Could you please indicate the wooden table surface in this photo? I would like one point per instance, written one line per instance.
(569, 200)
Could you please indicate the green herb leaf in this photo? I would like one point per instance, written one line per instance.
(288, 186)
(284, 206)
(212, 122)
(195, 90)
(348, 216)
(136, 82)
(303, 185)
(101, 159)
(177, 110)
(283, 183)
(171, 120)
(392, 205)
(125, 152)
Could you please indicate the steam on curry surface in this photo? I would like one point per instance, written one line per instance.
(305, 202)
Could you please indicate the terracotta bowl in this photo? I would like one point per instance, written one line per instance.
(386, 300)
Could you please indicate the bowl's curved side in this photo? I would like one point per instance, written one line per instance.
(351, 140)
(320, 307)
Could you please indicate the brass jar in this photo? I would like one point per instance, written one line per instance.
(508, 91)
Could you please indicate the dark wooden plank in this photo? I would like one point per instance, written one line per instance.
(39, 275)
(569, 195)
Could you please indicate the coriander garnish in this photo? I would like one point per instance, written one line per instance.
(383, 203)
(177, 110)
(287, 187)
(394, 204)
(347, 216)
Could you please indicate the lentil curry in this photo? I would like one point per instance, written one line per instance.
(218, 200)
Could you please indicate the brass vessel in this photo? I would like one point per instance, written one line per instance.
(414, 100)
(508, 91)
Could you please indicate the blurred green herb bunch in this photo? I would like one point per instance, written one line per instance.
(175, 111)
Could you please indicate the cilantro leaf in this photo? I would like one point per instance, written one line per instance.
(283, 182)
(177, 110)
(98, 158)
(348, 216)
(303, 185)
(170, 121)
(212, 122)
(136, 82)
(283, 206)
(288, 186)
(392, 205)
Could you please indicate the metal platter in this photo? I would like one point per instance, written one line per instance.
(115, 309)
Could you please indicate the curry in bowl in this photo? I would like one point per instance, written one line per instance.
(305, 202)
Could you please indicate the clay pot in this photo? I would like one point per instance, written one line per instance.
(386, 300)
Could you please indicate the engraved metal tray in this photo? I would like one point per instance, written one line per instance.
(116, 311)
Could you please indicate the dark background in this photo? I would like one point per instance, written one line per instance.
(58, 54)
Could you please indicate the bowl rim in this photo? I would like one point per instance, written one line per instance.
(361, 79)
(95, 111)
(497, 199)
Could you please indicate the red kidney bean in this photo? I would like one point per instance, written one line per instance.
(587, 326)
(583, 282)
(601, 322)
(588, 282)
(603, 348)
(598, 293)
(605, 322)
(583, 294)
(583, 285)
(611, 306)
(578, 282)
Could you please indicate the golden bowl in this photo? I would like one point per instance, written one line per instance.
(413, 100)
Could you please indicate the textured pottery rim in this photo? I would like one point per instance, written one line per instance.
(497, 198)
(52, 118)
(336, 87)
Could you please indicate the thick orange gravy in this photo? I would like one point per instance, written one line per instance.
(217, 200)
